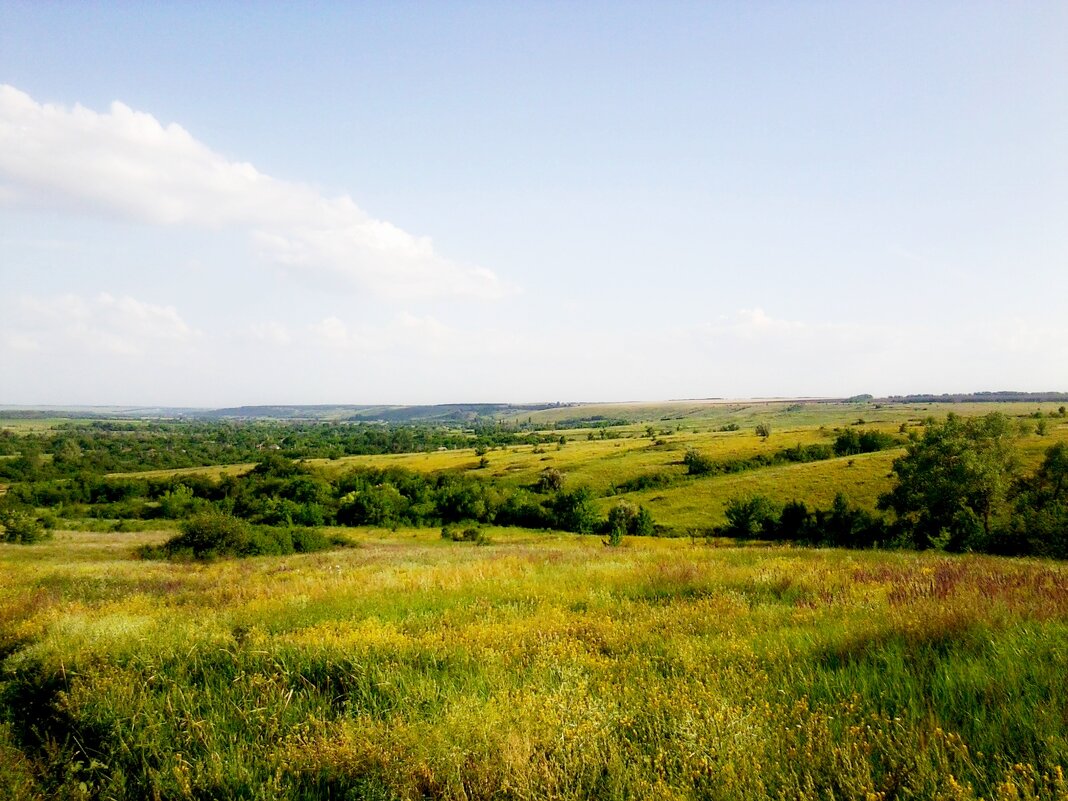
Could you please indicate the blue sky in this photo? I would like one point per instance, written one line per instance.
(216, 204)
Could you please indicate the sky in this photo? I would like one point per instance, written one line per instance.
(280, 203)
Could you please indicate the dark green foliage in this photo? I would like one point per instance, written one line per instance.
(464, 534)
(574, 511)
(309, 540)
(655, 480)
(697, 463)
(850, 442)
(804, 453)
(794, 522)
(368, 496)
(751, 516)
(841, 526)
(1040, 502)
(952, 484)
(643, 523)
(99, 446)
(627, 518)
(700, 464)
(18, 524)
(213, 534)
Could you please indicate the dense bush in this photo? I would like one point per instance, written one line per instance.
(627, 518)
(655, 480)
(697, 463)
(19, 525)
(1039, 523)
(214, 534)
(850, 442)
(750, 516)
(700, 464)
(841, 526)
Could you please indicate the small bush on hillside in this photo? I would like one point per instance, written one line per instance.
(697, 463)
(655, 480)
(214, 534)
(464, 534)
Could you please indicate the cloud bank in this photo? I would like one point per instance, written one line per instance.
(126, 164)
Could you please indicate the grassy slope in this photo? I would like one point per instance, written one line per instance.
(542, 666)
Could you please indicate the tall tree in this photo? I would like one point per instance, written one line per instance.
(953, 482)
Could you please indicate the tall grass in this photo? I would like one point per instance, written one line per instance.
(540, 666)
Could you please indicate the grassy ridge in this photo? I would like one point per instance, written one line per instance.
(541, 666)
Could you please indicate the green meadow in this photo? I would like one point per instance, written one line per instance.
(538, 664)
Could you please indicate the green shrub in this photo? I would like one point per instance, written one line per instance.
(464, 534)
(697, 463)
(309, 540)
(214, 534)
(21, 526)
(211, 534)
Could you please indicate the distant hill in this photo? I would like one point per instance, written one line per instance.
(443, 413)
(979, 397)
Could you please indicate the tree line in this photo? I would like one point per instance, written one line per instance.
(959, 487)
(76, 449)
(283, 492)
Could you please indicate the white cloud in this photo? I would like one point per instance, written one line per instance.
(102, 324)
(126, 164)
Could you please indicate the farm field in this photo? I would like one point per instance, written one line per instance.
(541, 665)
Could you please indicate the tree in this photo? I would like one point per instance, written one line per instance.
(751, 516)
(550, 480)
(574, 511)
(1040, 520)
(954, 481)
(763, 430)
(630, 519)
(19, 525)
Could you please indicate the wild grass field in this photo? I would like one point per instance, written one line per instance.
(538, 666)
